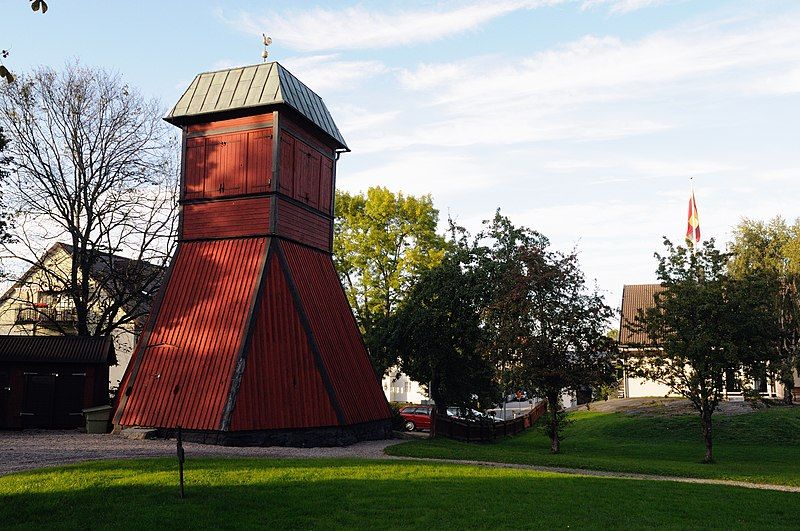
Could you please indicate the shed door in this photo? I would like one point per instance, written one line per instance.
(225, 165)
(5, 393)
(194, 168)
(287, 176)
(69, 400)
(259, 161)
(37, 400)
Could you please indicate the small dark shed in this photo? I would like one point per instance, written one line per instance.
(45, 381)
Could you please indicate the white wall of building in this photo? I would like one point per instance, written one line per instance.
(640, 387)
(398, 387)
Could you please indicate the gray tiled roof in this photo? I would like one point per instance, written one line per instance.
(251, 87)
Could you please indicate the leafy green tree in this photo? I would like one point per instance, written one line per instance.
(382, 242)
(496, 252)
(772, 249)
(437, 333)
(544, 329)
(704, 324)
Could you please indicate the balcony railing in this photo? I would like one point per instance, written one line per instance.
(44, 316)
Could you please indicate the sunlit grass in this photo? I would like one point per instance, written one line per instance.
(248, 493)
(763, 446)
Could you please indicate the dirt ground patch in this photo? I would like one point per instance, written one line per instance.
(667, 407)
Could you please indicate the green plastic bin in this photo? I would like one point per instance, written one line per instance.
(97, 418)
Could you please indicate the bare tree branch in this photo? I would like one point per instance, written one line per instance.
(93, 168)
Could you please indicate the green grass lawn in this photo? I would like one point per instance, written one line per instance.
(246, 493)
(763, 446)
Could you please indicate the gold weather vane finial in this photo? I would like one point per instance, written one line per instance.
(267, 41)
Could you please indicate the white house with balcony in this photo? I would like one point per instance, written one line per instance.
(38, 303)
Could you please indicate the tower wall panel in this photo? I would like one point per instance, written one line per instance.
(232, 218)
(183, 376)
(304, 226)
(281, 386)
(336, 334)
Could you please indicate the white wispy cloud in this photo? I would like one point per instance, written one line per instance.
(609, 68)
(779, 174)
(785, 82)
(357, 27)
(354, 119)
(623, 6)
(422, 172)
(328, 72)
(501, 129)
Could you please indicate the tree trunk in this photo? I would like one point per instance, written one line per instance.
(441, 406)
(555, 443)
(706, 421)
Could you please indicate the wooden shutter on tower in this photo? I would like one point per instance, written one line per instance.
(325, 184)
(194, 168)
(225, 165)
(302, 162)
(259, 161)
(286, 182)
(312, 180)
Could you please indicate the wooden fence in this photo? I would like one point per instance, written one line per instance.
(485, 430)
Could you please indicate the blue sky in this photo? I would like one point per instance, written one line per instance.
(583, 119)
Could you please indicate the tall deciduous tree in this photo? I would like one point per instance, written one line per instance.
(382, 242)
(547, 325)
(772, 249)
(704, 324)
(5, 161)
(93, 165)
(437, 333)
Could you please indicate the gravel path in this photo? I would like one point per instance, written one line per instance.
(29, 449)
(618, 475)
(24, 450)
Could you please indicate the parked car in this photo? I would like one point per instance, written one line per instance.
(416, 417)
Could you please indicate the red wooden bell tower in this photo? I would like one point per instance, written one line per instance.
(251, 339)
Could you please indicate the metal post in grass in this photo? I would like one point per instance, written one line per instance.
(181, 458)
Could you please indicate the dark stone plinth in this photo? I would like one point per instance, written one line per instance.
(300, 437)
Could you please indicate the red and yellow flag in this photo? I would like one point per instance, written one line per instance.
(693, 225)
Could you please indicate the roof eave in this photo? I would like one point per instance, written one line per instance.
(182, 120)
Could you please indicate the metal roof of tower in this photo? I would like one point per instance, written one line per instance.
(251, 87)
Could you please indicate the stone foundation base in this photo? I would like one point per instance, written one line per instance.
(299, 437)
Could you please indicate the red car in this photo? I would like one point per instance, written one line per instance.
(416, 417)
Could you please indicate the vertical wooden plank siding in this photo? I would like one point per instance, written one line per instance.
(334, 328)
(281, 386)
(185, 372)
